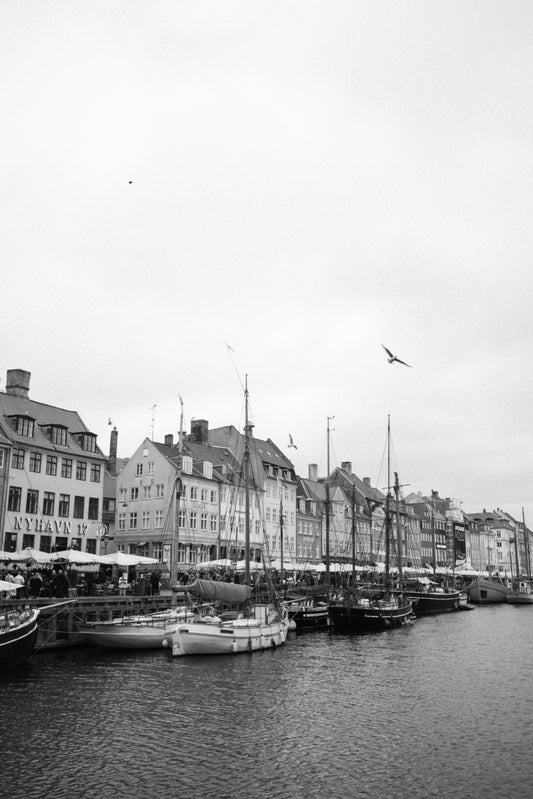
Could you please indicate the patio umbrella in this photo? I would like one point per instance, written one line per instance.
(125, 559)
(77, 556)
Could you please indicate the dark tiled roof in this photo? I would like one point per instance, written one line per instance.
(43, 415)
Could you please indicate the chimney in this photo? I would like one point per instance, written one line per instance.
(313, 472)
(18, 382)
(347, 466)
(113, 446)
(199, 431)
(366, 481)
(169, 440)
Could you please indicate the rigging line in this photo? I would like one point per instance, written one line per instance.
(230, 353)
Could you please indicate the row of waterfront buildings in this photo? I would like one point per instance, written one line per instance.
(58, 491)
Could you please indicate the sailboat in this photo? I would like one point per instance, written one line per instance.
(377, 607)
(246, 626)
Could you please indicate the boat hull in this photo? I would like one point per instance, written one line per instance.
(215, 637)
(428, 602)
(17, 641)
(361, 617)
(308, 615)
(486, 591)
(137, 632)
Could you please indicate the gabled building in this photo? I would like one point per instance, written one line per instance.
(52, 474)
(273, 498)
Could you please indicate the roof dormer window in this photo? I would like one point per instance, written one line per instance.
(87, 441)
(23, 425)
(57, 433)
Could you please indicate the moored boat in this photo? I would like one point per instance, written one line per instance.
(134, 632)
(430, 597)
(250, 625)
(377, 610)
(485, 590)
(520, 597)
(18, 636)
(307, 612)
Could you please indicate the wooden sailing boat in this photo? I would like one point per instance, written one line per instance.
(378, 607)
(248, 626)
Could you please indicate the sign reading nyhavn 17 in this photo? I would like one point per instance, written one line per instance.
(36, 524)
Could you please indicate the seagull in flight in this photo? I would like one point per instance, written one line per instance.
(291, 442)
(393, 359)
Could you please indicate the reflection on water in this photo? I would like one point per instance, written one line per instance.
(442, 707)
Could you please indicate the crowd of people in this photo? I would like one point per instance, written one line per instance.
(62, 582)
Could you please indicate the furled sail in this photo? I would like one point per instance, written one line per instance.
(211, 590)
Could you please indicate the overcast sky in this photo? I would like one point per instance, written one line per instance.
(304, 181)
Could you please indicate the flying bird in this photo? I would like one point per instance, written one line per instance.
(109, 421)
(229, 347)
(393, 359)
(291, 442)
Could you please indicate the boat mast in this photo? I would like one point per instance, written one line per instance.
(247, 428)
(281, 532)
(177, 497)
(526, 546)
(327, 503)
(433, 543)
(353, 533)
(517, 561)
(387, 513)
(398, 530)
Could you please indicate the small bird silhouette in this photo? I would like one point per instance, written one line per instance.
(393, 359)
(130, 182)
(109, 421)
(291, 442)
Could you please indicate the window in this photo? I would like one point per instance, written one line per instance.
(139, 469)
(122, 494)
(181, 521)
(134, 493)
(203, 521)
(121, 521)
(147, 490)
(51, 464)
(58, 435)
(90, 546)
(194, 492)
(88, 442)
(133, 521)
(213, 523)
(61, 543)
(203, 496)
(187, 464)
(13, 502)
(79, 506)
(49, 499)
(45, 544)
(151, 467)
(193, 519)
(146, 520)
(18, 459)
(66, 467)
(213, 496)
(28, 540)
(95, 472)
(32, 501)
(2, 458)
(64, 505)
(92, 511)
(23, 425)
(158, 519)
(75, 543)
(108, 505)
(159, 490)
(157, 549)
(35, 462)
(81, 470)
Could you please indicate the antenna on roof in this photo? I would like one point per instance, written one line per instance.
(153, 419)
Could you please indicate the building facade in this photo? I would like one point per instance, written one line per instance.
(52, 474)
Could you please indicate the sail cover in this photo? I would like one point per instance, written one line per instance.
(226, 592)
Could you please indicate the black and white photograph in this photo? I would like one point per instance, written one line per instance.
(266, 486)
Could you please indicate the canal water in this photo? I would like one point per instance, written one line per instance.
(442, 707)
